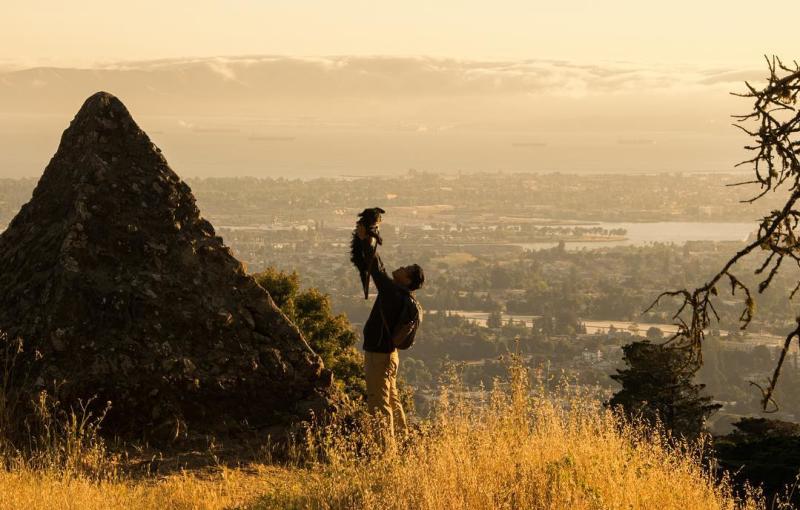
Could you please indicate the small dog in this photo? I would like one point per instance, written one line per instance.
(370, 218)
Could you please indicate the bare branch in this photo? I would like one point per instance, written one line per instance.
(774, 127)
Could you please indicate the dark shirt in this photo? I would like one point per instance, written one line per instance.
(390, 300)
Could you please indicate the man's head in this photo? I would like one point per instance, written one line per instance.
(409, 276)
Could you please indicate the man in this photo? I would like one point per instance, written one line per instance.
(381, 360)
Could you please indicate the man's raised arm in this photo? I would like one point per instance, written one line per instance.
(376, 269)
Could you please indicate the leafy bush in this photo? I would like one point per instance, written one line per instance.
(331, 336)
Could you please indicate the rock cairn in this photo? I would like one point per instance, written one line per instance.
(121, 291)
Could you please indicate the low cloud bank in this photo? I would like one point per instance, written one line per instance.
(233, 80)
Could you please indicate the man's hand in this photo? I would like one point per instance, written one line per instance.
(361, 231)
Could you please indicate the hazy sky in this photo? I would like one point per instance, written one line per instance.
(247, 87)
(706, 32)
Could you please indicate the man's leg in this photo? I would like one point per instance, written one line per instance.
(397, 406)
(377, 368)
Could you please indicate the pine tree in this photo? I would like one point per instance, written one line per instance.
(658, 386)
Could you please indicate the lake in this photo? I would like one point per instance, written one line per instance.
(677, 232)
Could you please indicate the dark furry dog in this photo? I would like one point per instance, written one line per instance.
(370, 218)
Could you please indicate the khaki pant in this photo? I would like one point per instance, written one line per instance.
(382, 398)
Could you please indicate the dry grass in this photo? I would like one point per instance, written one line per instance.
(225, 488)
(514, 448)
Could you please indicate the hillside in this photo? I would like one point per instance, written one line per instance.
(520, 448)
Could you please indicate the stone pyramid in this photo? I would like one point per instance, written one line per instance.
(119, 289)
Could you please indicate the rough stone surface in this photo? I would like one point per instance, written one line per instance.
(120, 289)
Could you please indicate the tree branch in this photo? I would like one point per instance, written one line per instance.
(776, 148)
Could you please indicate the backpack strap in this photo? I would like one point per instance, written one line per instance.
(417, 306)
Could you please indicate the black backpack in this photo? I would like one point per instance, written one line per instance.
(405, 331)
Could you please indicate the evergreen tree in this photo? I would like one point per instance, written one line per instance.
(658, 385)
(764, 453)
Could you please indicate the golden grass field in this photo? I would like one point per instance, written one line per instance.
(516, 447)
